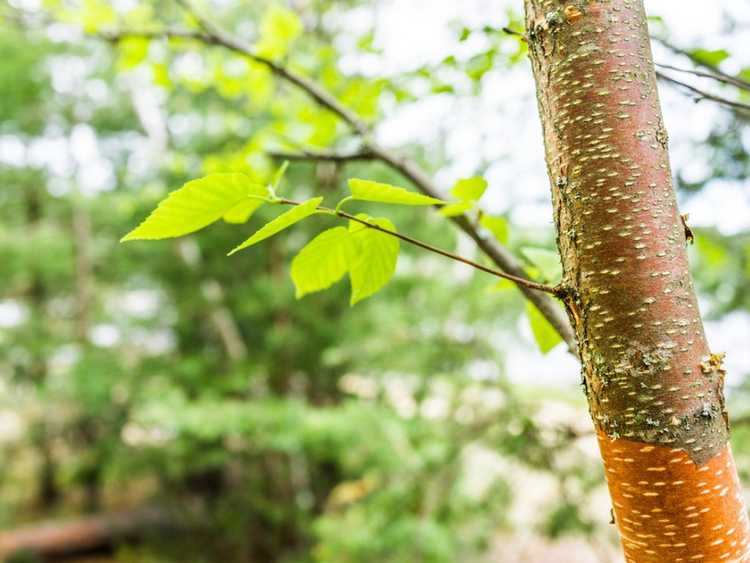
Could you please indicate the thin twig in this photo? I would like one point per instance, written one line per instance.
(322, 97)
(496, 252)
(701, 74)
(328, 156)
(427, 246)
(500, 255)
(515, 33)
(703, 95)
(738, 82)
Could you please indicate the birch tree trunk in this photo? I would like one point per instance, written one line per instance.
(654, 389)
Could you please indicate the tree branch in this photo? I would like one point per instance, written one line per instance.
(522, 281)
(326, 156)
(499, 254)
(502, 258)
(738, 82)
(703, 95)
(711, 75)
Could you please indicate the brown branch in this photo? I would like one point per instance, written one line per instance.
(322, 97)
(521, 36)
(719, 78)
(738, 82)
(553, 290)
(326, 156)
(500, 255)
(703, 95)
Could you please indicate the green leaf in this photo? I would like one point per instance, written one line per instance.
(376, 257)
(323, 261)
(547, 261)
(469, 189)
(365, 190)
(710, 57)
(498, 226)
(544, 333)
(454, 209)
(97, 14)
(160, 73)
(194, 206)
(279, 174)
(241, 212)
(283, 221)
(502, 285)
(278, 29)
(133, 51)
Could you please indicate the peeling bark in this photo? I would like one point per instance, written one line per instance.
(654, 389)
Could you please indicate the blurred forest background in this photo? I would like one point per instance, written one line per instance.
(187, 401)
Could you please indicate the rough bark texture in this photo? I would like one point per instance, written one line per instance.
(654, 389)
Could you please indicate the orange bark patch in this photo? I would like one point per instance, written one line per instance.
(668, 509)
(572, 13)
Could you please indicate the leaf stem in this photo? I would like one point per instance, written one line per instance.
(210, 34)
(341, 203)
(553, 290)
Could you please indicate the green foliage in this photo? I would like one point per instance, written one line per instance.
(196, 205)
(565, 519)
(323, 261)
(545, 335)
(376, 254)
(133, 51)
(278, 29)
(367, 190)
(455, 209)
(25, 83)
(469, 191)
(547, 261)
(710, 57)
(498, 226)
(283, 221)
(242, 212)
(273, 430)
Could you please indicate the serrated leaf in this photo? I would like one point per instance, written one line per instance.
(455, 209)
(375, 260)
(544, 333)
(194, 206)
(323, 261)
(498, 226)
(366, 190)
(469, 189)
(283, 221)
(547, 261)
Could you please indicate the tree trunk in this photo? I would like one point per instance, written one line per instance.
(58, 539)
(655, 391)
